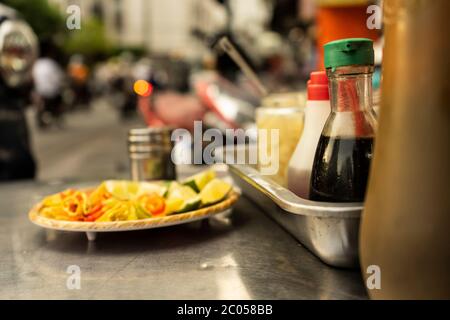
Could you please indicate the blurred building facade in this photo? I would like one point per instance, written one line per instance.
(162, 26)
(168, 26)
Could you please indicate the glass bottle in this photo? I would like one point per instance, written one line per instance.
(344, 152)
(283, 112)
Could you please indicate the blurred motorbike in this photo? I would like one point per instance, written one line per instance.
(216, 101)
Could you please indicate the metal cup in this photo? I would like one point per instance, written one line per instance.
(150, 154)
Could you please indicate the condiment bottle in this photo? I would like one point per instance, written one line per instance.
(317, 110)
(344, 152)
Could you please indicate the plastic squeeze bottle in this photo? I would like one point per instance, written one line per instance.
(317, 110)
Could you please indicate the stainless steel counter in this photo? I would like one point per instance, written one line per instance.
(245, 256)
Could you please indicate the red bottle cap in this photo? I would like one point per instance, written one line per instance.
(317, 86)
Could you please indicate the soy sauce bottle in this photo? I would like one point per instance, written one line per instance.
(344, 152)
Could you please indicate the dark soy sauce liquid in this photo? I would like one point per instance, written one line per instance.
(341, 169)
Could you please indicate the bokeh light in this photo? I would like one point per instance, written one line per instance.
(143, 88)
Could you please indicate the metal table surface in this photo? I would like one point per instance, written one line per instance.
(244, 256)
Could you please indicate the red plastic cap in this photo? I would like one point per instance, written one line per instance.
(317, 86)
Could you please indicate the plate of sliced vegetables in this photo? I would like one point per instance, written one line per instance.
(122, 205)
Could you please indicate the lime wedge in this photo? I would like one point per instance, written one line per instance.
(215, 191)
(159, 188)
(182, 192)
(173, 205)
(198, 181)
(173, 185)
(190, 205)
(181, 199)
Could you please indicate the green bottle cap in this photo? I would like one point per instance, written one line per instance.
(346, 52)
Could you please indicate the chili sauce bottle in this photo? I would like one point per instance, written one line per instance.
(344, 152)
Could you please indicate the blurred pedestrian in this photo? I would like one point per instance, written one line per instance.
(48, 79)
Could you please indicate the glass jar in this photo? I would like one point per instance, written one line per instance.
(275, 151)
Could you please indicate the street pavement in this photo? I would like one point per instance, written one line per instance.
(90, 146)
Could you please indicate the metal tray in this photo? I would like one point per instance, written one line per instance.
(329, 230)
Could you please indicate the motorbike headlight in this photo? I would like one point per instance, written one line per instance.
(18, 51)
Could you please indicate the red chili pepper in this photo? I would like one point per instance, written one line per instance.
(94, 216)
(95, 213)
(94, 209)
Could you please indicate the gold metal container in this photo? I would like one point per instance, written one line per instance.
(406, 221)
